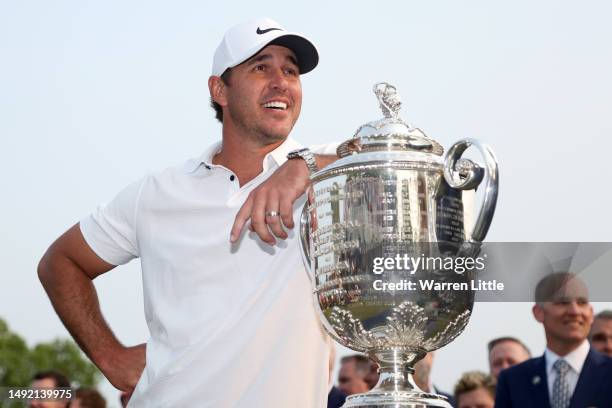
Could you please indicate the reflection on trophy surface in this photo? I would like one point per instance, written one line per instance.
(389, 197)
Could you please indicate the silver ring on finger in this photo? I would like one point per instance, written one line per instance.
(272, 214)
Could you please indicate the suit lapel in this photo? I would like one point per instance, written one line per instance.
(587, 381)
(539, 383)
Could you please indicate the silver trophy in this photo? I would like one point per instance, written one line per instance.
(392, 195)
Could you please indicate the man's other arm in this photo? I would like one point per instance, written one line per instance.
(66, 271)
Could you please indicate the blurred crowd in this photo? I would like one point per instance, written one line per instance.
(80, 398)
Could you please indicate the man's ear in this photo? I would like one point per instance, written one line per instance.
(538, 312)
(216, 86)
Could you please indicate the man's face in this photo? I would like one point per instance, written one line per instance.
(601, 336)
(264, 95)
(349, 380)
(372, 378)
(45, 383)
(504, 355)
(478, 398)
(567, 319)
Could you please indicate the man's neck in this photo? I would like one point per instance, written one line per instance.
(242, 155)
(562, 348)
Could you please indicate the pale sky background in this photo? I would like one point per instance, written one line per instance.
(95, 94)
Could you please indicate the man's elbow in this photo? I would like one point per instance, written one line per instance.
(52, 267)
(45, 269)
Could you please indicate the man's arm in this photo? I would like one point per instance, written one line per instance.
(66, 272)
(277, 193)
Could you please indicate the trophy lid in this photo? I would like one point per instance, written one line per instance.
(390, 133)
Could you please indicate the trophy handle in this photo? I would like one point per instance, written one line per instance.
(463, 174)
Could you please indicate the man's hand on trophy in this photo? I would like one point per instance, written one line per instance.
(270, 206)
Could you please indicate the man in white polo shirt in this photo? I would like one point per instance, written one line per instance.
(231, 317)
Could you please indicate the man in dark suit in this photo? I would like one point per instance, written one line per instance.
(570, 374)
(335, 398)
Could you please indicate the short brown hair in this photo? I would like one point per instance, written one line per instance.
(604, 314)
(363, 365)
(225, 77)
(90, 398)
(503, 339)
(550, 286)
(472, 380)
(61, 381)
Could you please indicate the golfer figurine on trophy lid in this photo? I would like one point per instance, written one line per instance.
(381, 227)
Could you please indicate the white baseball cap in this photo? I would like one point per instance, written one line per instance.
(243, 41)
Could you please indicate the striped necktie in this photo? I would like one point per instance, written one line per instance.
(561, 393)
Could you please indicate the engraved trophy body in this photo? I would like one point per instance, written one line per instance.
(392, 195)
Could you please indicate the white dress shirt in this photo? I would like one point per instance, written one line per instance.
(575, 359)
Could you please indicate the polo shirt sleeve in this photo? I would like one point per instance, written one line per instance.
(110, 230)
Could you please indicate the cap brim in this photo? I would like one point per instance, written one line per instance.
(305, 51)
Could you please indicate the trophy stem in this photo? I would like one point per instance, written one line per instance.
(396, 387)
(396, 370)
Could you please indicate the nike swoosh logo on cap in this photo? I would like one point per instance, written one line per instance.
(260, 31)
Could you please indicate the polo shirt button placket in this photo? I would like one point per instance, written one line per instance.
(233, 187)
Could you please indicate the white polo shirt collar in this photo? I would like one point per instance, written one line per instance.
(272, 160)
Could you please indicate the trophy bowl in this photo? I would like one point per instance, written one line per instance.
(380, 227)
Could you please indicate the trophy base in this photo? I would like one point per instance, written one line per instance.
(396, 400)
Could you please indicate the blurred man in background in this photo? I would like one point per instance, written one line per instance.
(372, 378)
(422, 377)
(475, 390)
(49, 380)
(354, 370)
(88, 398)
(570, 373)
(505, 352)
(601, 333)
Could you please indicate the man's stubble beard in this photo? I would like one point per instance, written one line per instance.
(256, 133)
